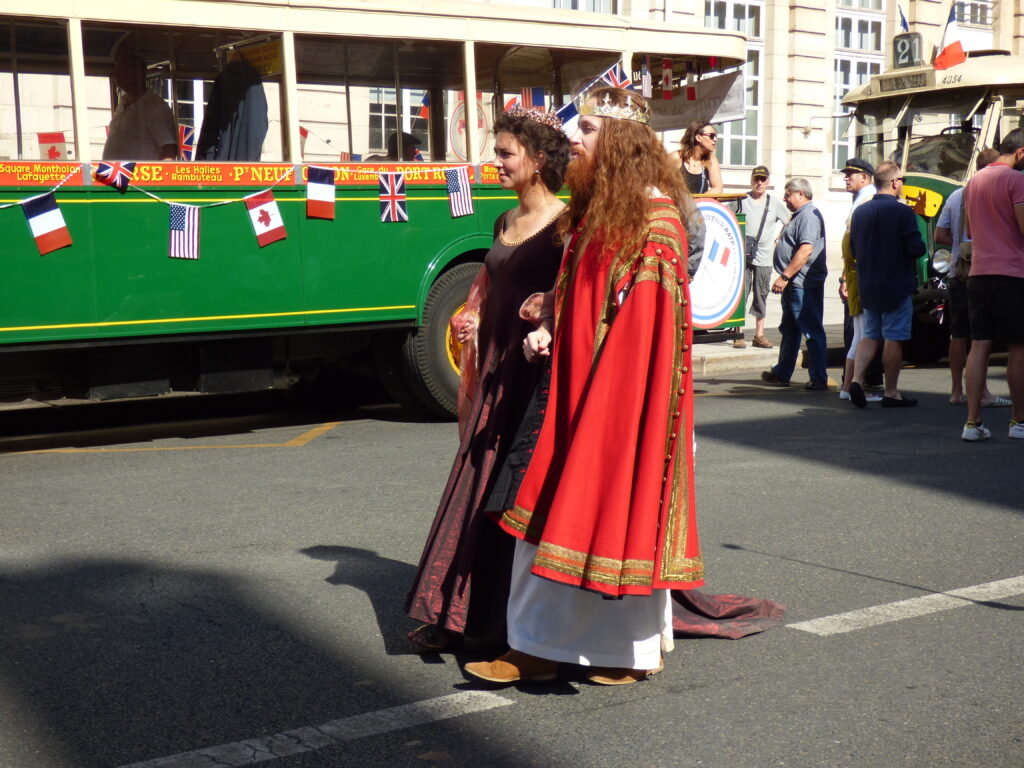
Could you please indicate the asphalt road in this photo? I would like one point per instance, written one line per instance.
(178, 577)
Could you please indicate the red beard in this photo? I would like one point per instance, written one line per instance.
(580, 175)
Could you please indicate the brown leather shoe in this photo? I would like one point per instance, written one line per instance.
(739, 343)
(620, 675)
(514, 667)
(762, 343)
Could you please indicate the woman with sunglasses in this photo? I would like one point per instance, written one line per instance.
(697, 159)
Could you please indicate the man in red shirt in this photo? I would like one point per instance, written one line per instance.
(995, 289)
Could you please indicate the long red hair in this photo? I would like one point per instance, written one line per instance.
(629, 161)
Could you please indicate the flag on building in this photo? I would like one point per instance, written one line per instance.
(320, 193)
(460, 194)
(52, 146)
(46, 222)
(184, 225)
(616, 76)
(645, 77)
(303, 135)
(691, 83)
(532, 97)
(348, 157)
(115, 174)
(951, 52)
(186, 143)
(666, 78)
(424, 113)
(392, 197)
(266, 218)
(903, 19)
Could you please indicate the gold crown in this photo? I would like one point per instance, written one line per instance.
(606, 108)
(550, 119)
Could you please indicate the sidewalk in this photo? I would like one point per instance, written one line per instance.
(721, 356)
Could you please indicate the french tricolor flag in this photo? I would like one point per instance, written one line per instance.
(266, 218)
(320, 193)
(719, 253)
(47, 223)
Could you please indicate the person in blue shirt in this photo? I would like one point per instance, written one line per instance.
(885, 241)
(800, 262)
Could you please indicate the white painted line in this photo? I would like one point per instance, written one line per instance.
(906, 609)
(331, 734)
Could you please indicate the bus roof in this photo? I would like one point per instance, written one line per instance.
(455, 20)
(982, 68)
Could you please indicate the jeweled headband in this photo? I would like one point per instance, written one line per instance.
(606, 108)
(550, 119)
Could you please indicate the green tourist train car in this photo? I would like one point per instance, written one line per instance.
(360, 88)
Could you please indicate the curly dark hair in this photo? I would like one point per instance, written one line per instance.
(538, 138)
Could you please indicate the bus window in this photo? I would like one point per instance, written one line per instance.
(1012, 116)
(222, 89)
(35, 92)
(376, 100)
(940, 137)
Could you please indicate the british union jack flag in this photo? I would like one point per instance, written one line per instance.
(392, 197)
(117, 175)
(186, 143)
(616, 77)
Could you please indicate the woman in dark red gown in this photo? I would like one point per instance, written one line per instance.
(461, 586)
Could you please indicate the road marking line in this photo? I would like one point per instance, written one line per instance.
(312, 738)
(311, 435)
(295, 442)
(906, 609)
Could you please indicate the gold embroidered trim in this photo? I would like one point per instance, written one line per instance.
(600, 570)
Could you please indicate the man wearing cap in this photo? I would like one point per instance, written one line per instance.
(765, 216)
(858, 175)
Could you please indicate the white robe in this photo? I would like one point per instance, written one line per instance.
(563, 623)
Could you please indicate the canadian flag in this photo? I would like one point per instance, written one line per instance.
(951, 52)
(666, 78)
(52, 146)
(266, 218)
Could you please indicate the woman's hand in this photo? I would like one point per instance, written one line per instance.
(466, 327)
(538, 343)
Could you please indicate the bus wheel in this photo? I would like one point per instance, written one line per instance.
(426, 367)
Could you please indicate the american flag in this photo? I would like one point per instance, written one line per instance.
(186, 143)
(392, 197)
(532, 97)
(184, 231)
(460, 196)
(616, 77)
(116, 175)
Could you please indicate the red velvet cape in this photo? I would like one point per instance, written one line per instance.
(608, 497)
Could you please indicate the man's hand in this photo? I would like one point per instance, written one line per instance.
(537, 343)
(779, 285)
(843, 293)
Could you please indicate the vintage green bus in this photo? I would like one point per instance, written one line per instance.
(111, 315)
(933, 123)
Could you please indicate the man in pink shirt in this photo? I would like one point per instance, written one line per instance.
(995, 290)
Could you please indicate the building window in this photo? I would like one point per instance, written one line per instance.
(739, 141)
(849, 73)
(595, 6)
(975, 12)
(863, 5)
(858, 34)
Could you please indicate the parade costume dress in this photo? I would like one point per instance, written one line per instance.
(463, 577)
(607, 503)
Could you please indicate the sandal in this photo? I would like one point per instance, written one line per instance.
(430, 638)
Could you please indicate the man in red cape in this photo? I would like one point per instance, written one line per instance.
(605, 514)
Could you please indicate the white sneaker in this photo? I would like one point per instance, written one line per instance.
(974, 432)
(1017, 430)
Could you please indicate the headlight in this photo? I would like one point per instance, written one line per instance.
(940, 260)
